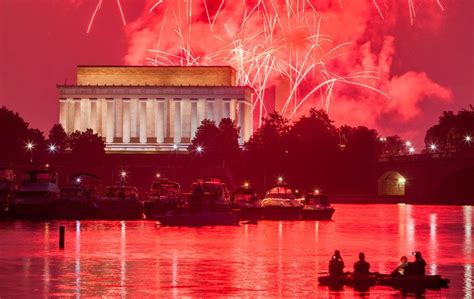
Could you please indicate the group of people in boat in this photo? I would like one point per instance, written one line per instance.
(362, 267)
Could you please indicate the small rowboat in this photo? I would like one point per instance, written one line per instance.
(413, 282)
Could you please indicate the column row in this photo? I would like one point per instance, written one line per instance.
(161, 120)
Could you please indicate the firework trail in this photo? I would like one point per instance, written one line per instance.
(266, 42)
(96, 10)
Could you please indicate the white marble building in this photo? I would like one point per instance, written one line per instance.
(152, 108)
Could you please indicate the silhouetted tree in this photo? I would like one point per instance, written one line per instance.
(453, 133)
(220, 144)
(359, 154)
(15, 134)
(86, 147)
(267, 148)
(58, 137)
(312, 150)
(393, 146)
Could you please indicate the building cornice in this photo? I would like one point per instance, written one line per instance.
(137, 91)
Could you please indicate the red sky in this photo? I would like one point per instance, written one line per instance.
(423, 68)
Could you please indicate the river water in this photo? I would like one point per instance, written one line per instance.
(268, 259)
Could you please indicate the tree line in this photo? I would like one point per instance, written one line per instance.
(310, 152)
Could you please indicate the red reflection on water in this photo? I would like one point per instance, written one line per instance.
(137, 258)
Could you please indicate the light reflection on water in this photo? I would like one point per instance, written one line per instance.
(137, 258)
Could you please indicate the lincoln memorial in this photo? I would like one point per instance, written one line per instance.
(141, 108)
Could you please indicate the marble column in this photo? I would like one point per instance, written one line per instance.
(248, 121)
(103, 111)
(110, 121)
(150, 121)
(177, 121)
(210, 111)
(85, 114)
(185, 121)
(63, 113)
(194, 118)
(160, 120)
(70, 115)
(233, 109)
(93, 115)
(126, 120)
(134, 120)
(98, 104)
(170, 107)
(142, 120)
(218, 110)
(118, 120)
(226, 109)
(77, 114)
(201, 111)
(241, 120)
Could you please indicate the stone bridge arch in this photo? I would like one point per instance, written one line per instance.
(391, 183)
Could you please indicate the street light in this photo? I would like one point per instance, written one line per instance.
(52, 148)
(158, 175)
(433, 147)
(175, 146)
(468, 138)
(78, 180)
(408, 143)
(29, 147)
(280, 179)
(246, 184)
(199, 149)
(382, 139)
(316, 191)
(411, 150)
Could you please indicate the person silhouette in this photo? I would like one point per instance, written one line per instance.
(336, 264)
(361, 266)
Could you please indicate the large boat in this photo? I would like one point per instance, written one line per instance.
(164, 196)
(246, 201)
(317, 207)
(79, 200)
(209, 193)
(208, 205)
(280, 203)
(38, 195)
(120, 202)
(7, 188)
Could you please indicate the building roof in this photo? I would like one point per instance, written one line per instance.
(156, 75)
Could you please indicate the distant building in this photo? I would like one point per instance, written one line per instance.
(141, 108)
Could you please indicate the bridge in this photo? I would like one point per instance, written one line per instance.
(427, 178)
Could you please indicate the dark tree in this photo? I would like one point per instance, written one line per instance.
(266, 149)
(86, 147)
(393, 146)
(219, 144)
(15, 135)
(360, 152)
(58, 137)
(453, 133)
(206, 139)
(313, 149)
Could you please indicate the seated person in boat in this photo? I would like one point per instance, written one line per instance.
(336, 264)
(401, 269)
(418, 266)
(361, 266)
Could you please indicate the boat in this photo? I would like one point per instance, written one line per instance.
(209, 193)
(38, 195)
(363, 282)
(280, 203)
(120, 202)
(79, 200)
(208, 205)
(164, 196)
(197, 219)
(7, 188)
(317, 207)
(413, 282)
(246, 202)
(357, 281)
